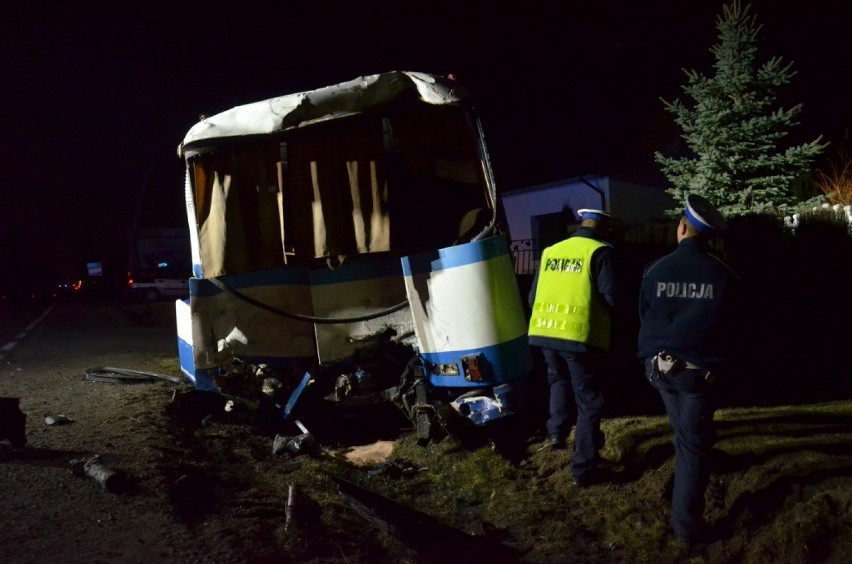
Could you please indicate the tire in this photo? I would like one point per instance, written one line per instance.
(152, 295)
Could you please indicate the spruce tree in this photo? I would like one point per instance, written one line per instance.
(734, 129)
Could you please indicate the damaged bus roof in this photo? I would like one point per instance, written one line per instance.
(354, 96)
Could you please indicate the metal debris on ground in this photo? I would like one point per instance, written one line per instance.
(419, 530)
(302, 512)
(290, 508)
(300, 444)
(395, 468)
(52, 420)
(115, 375)
(111, 480)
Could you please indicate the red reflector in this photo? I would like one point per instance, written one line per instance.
(472, 373)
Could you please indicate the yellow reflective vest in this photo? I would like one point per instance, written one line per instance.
(566, 302)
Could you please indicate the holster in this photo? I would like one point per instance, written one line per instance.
(666, 363)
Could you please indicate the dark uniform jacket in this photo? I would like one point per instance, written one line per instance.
(604, 283)
(686, 306)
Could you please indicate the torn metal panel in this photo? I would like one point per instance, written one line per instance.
(358, 289)
(224, 327)
(284, 112)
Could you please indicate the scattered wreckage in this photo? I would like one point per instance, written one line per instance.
(348, 252)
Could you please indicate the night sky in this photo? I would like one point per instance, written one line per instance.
(97, 96)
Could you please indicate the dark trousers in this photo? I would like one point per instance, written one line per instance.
(690, 410)
(574, 380)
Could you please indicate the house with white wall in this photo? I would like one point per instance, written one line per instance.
(543, 214)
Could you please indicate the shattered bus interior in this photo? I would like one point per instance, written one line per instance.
(346, 245)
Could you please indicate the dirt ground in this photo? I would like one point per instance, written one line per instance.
(199, 484)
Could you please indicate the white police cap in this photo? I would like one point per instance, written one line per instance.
(703, 216)
(593, 214)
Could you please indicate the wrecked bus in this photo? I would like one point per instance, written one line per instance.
(346, 242)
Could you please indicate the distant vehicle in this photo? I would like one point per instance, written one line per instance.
(64, 288)
(158, 263)
(349, 238)
(154, 286)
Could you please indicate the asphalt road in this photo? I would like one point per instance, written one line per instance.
(48, 512)
(17, 321)
(29, 330)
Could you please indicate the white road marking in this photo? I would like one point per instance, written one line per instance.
(20, 336)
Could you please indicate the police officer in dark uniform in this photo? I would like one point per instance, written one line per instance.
(686, 306)
(571, 301)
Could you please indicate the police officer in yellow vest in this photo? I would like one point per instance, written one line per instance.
(571, 299)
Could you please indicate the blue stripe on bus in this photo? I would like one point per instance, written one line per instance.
(503, 362)
(290, 276)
